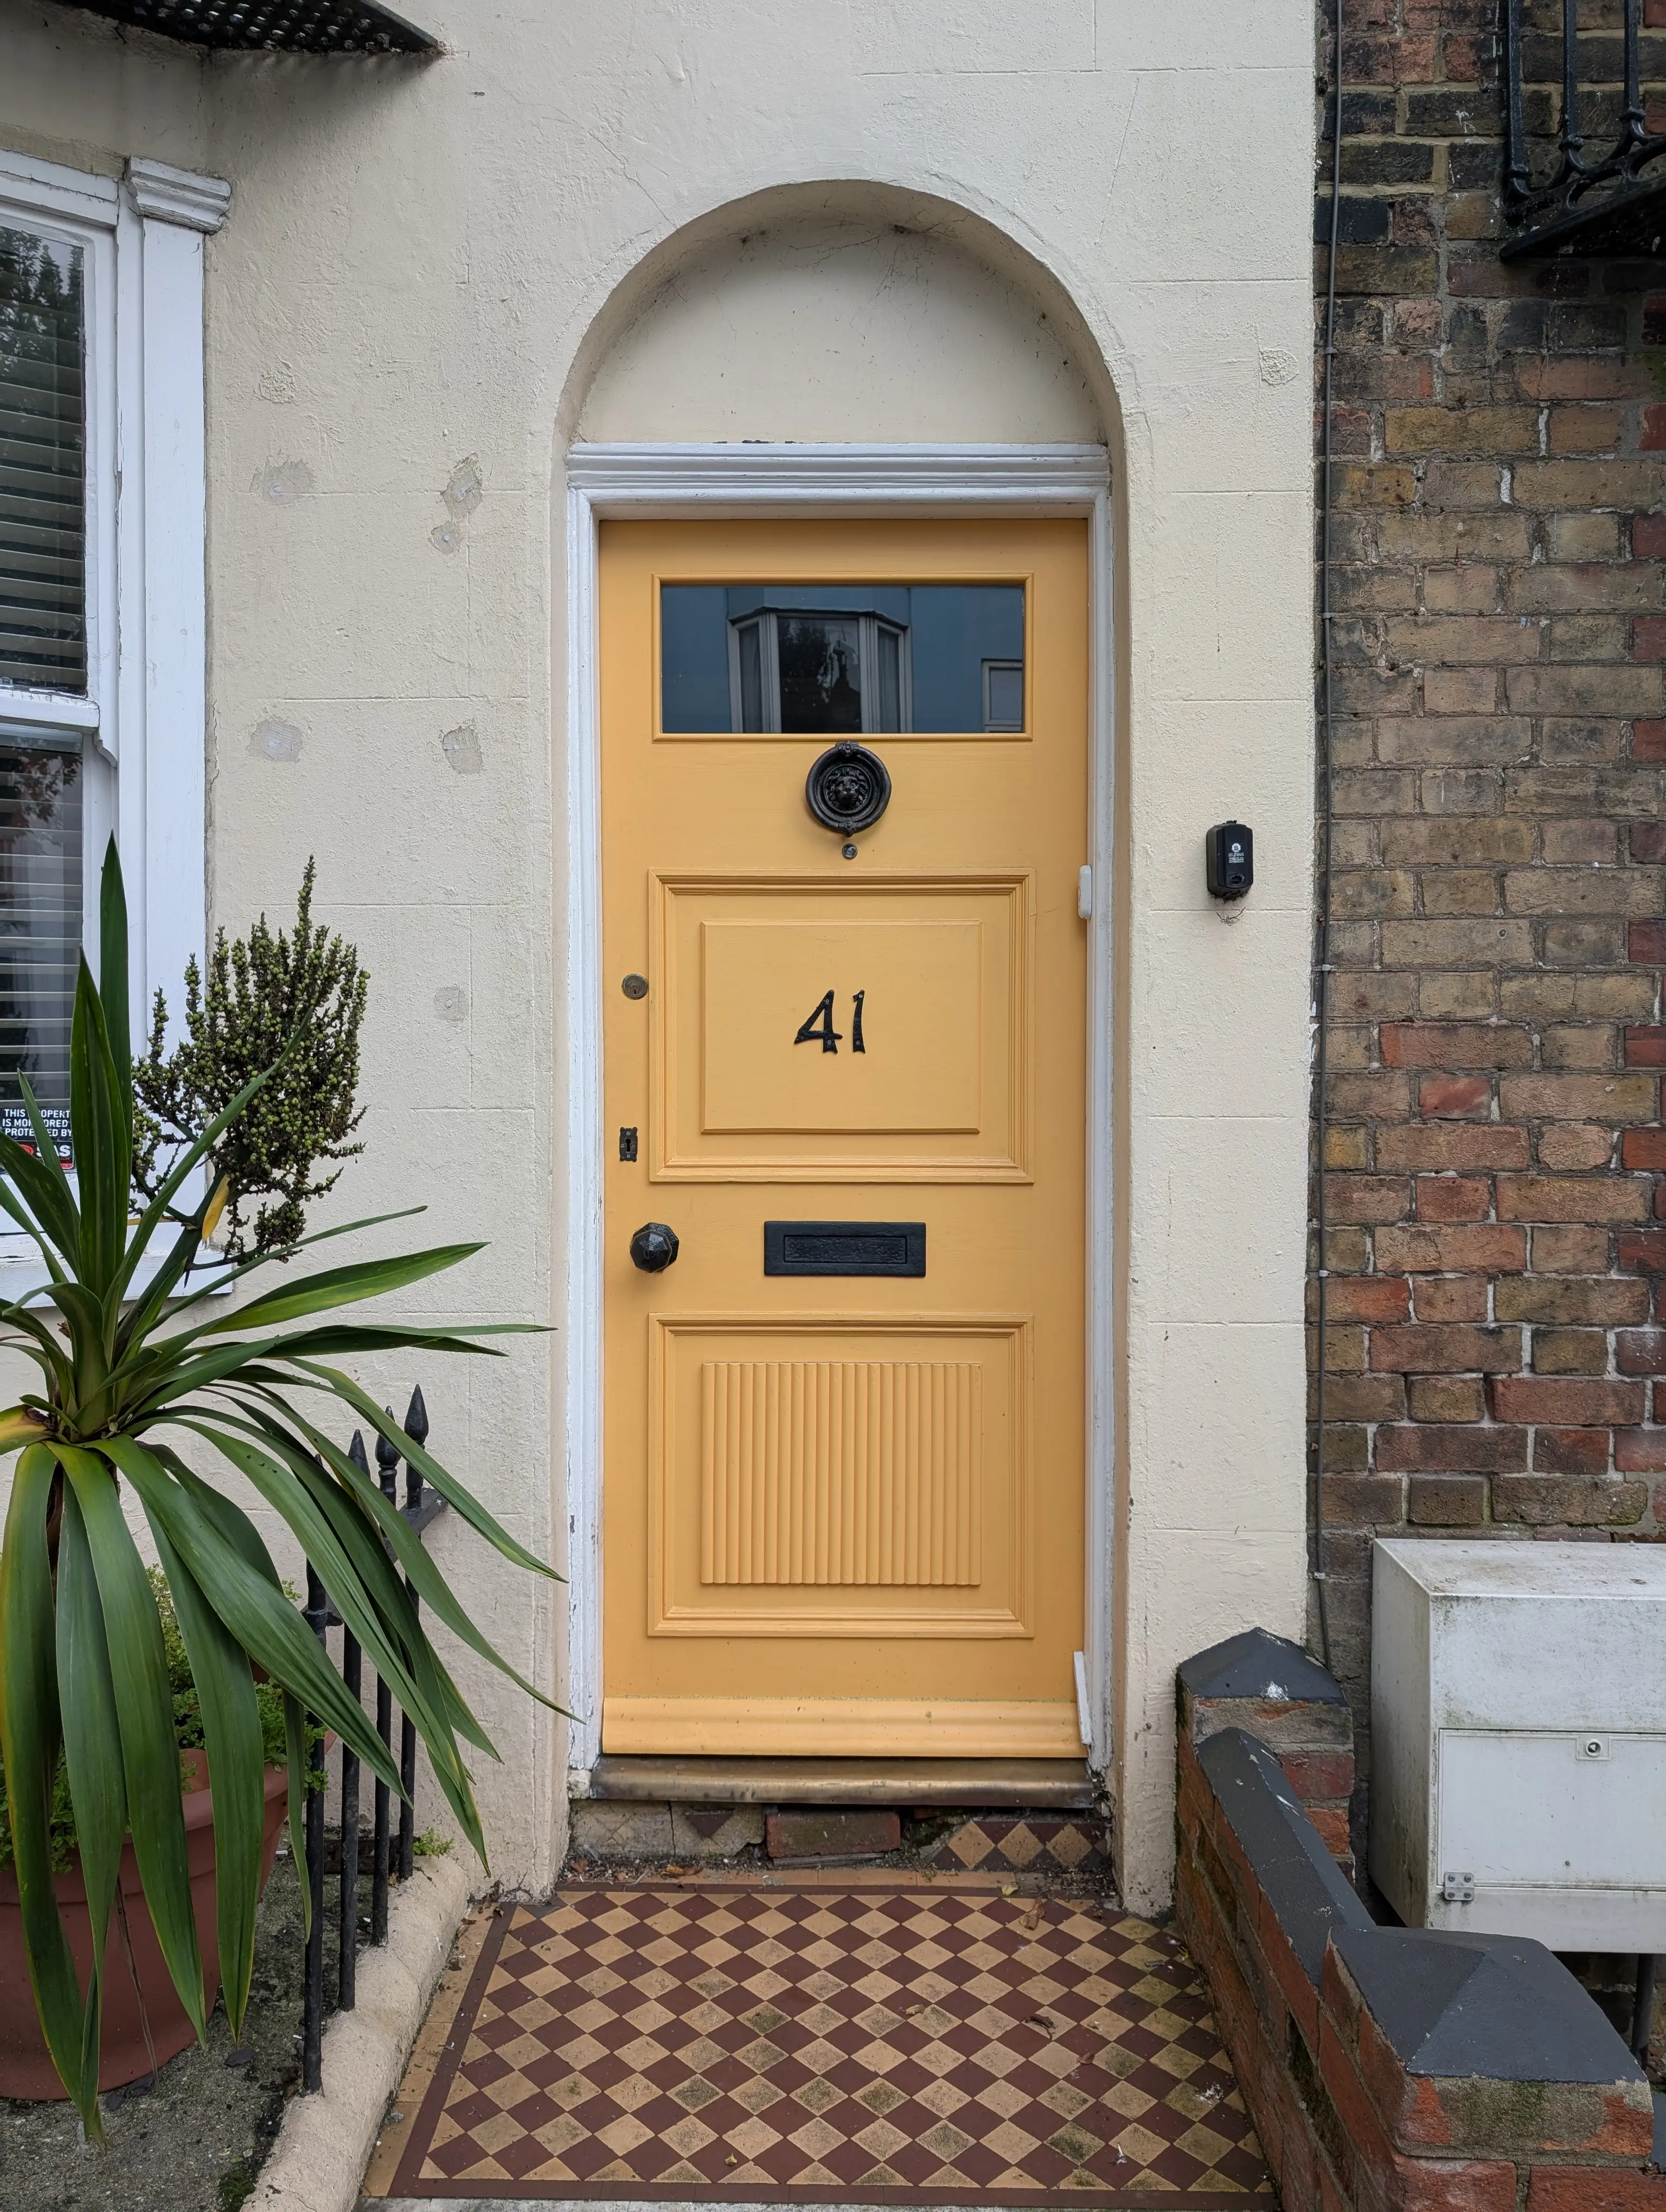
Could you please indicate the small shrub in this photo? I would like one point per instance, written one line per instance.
(291, 1002)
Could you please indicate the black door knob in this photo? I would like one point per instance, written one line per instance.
(653, 1247)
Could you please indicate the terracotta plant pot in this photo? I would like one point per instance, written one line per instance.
(26, 2071)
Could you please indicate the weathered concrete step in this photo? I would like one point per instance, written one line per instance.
(1040, 1842)
(1063, 1784)
(624, 1829)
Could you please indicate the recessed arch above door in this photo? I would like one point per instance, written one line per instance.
(827, 327)
(843, 310)
(938, 370)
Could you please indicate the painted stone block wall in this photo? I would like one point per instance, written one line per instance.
(1496, 1162)
(432, 279)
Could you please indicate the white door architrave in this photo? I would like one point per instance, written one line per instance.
(713, 482)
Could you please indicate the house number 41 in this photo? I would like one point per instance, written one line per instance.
(817, 1027)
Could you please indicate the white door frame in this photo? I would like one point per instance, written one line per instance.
(700, 481)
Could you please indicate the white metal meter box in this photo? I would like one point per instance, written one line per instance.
(1518, 1739)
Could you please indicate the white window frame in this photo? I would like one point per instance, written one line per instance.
(992, 723)
(146, 706)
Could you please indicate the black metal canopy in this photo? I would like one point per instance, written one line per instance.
(292, 26)
(1577, 97)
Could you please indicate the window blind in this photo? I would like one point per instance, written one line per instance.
(40, 916)
(43, 451)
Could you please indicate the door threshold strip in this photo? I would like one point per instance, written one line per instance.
(1063, 1784)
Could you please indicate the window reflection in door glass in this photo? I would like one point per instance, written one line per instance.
(821, 672)
(837, 660)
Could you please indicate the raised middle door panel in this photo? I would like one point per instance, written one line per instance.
(939, 1088)
(844, 778)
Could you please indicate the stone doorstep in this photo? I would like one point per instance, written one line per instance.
(1037, 1844)
(1062, 1785)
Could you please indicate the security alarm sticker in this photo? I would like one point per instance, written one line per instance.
(14, 1121)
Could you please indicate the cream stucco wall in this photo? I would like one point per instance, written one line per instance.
(954, 222)
(817, 325)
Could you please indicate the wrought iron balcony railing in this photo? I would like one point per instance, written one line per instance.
(1584, 171)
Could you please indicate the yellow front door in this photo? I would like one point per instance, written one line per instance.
(845, 1066)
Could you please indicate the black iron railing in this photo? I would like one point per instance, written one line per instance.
(1583, 169)
(393, 1856)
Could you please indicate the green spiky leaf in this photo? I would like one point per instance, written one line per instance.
(85, 1696)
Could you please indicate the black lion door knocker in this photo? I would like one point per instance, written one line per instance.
(849, 789)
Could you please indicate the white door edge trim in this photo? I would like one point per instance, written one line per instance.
(713, 482)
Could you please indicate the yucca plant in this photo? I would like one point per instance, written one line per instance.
(84, 1688)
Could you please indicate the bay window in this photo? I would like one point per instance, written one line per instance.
(102, 676)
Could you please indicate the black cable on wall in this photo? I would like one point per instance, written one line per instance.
(1322, 962)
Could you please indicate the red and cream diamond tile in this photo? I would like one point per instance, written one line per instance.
(919, 2047)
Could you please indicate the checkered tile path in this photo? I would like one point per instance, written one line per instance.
(918, 2045)
(1025, 1846)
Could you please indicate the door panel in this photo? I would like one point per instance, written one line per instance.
(760, 1077)
(843, 1512)
(841, 1476)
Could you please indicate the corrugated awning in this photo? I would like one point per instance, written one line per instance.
(290, 27)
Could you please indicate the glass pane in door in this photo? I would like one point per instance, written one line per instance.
(839, 659)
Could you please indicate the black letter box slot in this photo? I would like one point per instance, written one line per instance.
(844, 1248)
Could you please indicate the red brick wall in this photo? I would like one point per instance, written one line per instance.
(1312, 1743)
(1346, 2125)
(1497, 1168)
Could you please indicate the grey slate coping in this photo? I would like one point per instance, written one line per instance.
(1303, 1884)
(1259, 1665)
(1500, 2007)
(1452, 2006)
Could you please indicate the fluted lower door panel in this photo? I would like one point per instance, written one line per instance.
(840, 1472)
(840, 1476)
